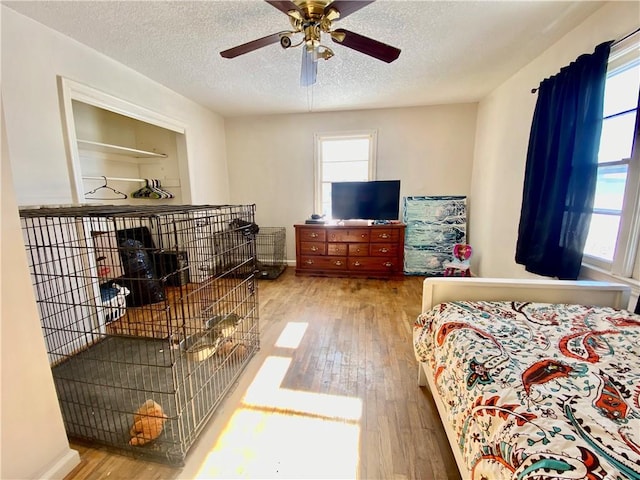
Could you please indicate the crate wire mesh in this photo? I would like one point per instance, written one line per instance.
(270, 248)
(144, 303)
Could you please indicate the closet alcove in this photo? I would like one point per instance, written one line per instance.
(115, 145)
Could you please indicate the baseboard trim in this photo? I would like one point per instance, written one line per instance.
(63, 466)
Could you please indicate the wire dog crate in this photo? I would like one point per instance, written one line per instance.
(149, 315)
(270, 248)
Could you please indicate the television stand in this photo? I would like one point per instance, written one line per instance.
(373, 251)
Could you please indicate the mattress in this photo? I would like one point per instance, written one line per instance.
(534, 390)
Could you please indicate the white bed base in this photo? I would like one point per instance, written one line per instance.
(439, 290)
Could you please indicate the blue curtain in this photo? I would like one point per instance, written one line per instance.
(561, 169)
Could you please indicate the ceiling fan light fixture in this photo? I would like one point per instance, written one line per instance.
(326, 53)
(295, 15)
(311, 35)
(332, 14)
(337, 36)
(296, 24)
(285, 41)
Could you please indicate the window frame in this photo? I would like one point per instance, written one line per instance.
(371, 135)
(626, 257)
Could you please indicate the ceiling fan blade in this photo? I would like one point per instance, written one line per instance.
(346, 7)
(309, 68)
(285, 6)
(251, 46)
(367, 45)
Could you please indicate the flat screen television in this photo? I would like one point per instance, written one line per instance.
(374, 200)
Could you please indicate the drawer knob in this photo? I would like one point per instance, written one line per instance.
(388, 264)
(356, 264)
(364, 235)
(384, 250)
(313, 235)
(309, 262)
(314, 248)
(384, 235)
(337, 263)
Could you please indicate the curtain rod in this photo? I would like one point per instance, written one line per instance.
(534, 90)
(625, 37)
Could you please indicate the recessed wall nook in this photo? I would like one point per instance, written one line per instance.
(121, 153)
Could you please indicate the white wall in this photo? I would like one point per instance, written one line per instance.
(504, 121)
(32, 57)
(430, 149)
(34, 442)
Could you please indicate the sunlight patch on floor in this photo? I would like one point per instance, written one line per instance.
(267, 444)
(265, 391)
(283, 433)
(291, 335)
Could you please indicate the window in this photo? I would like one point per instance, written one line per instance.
(614, 233)
(344, 157)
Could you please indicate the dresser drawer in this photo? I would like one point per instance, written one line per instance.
(339, 249)
(358, 249)
(385, 235)
(351, 235)
(383, 250)
(312, 234)
(373, 264)
(312, 248)
(323, 263)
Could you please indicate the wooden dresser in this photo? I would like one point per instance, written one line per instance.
(374, 251)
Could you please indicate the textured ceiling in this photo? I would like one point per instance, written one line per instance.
(452, 51)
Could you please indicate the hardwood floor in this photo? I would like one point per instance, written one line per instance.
(350, 374)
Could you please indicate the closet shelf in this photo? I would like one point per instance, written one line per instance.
(118, 150)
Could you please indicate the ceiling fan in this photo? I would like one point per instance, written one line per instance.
(311, 18)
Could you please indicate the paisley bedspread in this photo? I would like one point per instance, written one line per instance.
(537, 391)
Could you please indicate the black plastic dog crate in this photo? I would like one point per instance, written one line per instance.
(270, 252)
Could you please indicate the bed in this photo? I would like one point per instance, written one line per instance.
(533, 379)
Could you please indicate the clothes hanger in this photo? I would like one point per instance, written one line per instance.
(106, 187)
(155, 189)
(165, 193)
(146, 191)
(140, 193)
(152, 189)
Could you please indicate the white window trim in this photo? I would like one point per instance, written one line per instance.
(372, 135)
(626, 263)
(625, 267)
(591, 272)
